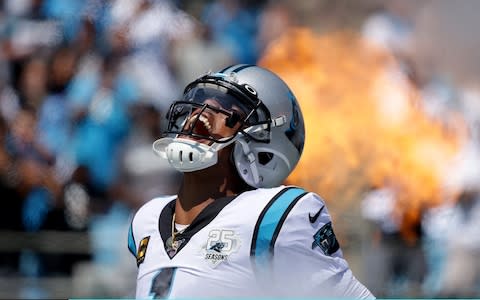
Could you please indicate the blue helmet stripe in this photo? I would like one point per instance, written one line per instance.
(241, 68)
(238, 68)
(223, 71)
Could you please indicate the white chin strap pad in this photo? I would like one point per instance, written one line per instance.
(187, 155)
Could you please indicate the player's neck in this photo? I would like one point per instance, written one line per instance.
(199, 189)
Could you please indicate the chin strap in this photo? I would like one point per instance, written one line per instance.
(250, 156)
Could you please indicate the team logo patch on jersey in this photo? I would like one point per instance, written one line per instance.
(325, 239)
(220, 245)
(142, 250)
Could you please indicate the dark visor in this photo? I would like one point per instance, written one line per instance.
(220, 95)
(214, 98)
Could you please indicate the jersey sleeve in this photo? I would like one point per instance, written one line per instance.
(144, 223)
(304, 258)
(135, 232)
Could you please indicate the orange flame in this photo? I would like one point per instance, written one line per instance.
(363, 125)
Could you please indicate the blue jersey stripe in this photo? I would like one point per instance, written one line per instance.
(131, 242)
(282, 220)
(271, 219)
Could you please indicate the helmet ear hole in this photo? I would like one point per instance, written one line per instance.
(264, 157)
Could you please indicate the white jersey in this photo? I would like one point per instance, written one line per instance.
(263, 243)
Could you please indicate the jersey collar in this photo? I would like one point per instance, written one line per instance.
(203, 219)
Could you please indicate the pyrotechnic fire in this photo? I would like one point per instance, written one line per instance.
(364, 125)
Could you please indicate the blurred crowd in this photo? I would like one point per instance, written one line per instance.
(83, 87)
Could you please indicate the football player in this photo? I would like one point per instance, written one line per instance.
(233, 229)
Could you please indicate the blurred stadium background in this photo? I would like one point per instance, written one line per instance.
(390, 91)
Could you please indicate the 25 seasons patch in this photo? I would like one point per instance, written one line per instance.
(220, 245)
(325, 239)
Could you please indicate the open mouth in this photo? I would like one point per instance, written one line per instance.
(203, 128)
(199, 125)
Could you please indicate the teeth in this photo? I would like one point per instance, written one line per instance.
(204, 120)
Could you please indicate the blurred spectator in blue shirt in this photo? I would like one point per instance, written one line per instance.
(234, 24)
(100, 103)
